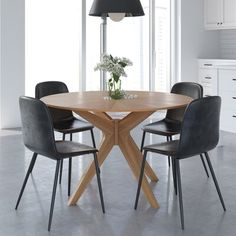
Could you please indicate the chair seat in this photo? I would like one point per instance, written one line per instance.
(69, 149)
(165, 148)
(163, 127)
(72, 126)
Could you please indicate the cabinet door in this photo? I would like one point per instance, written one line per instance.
(229, 14)
(228, 120)
(227, 80)
(212, 13)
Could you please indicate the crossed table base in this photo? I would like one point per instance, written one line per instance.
(117, 132)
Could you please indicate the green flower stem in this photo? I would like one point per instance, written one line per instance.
(114, 86)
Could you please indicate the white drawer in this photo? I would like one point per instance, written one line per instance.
(206, 63)
(227, 80)
(228, 99)
(208, 79)
(228, 120)
(207, 75)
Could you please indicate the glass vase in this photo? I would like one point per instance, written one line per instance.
(114, 89)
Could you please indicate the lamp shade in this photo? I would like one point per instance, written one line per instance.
(129, 7)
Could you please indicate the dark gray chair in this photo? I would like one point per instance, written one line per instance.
(171, 124)
(199, 133)
(38, 136)
(63, 121)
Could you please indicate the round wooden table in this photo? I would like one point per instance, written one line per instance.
(94, 108)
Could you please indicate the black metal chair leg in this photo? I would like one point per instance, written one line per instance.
(53, 194)
(93, 139)
(69, 169)
(204, 165)
(140, 179)
(180, 193)
(174, 174)
(168, 139)
(99, 181)
(34, 155)
(61, 167)
(142, 142)
(215, 180)
(69, 175)
(31, 166)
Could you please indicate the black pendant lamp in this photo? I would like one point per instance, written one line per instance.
(116, 8)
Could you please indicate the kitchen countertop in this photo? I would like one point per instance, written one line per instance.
(218, 63)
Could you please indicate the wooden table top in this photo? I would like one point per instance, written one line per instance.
(94, 101)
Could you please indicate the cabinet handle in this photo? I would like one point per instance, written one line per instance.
(218, 23)
(221, 23)
(207, 64)
(234, 79)
(234, 97)
(208, 77)
(233, 116)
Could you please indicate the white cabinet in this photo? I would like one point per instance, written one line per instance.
(227, 92)
(218, 77)
(229, 16)
(212, 13)
(220, 14)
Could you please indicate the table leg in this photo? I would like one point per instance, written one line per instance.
(104, 150)
(125, 126)
(131, 155)
(117, 132)
(138, 157)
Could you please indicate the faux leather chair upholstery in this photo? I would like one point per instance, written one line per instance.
(63, 121)
(38, 136)
(171, 124)
(199, 133)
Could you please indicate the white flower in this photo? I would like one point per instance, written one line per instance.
(114, 65)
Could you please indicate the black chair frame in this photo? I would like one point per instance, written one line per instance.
(38, 136)
(63, 121)
(189, 144)
(170, 125)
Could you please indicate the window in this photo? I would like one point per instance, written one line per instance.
(162, 44)
(131, 38)
(92, 49)
(53, 45)
(127, 38)
(52, 42)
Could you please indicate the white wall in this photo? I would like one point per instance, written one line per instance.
(0, 62)
(195, 41)
(228, 44)
(12, 61)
